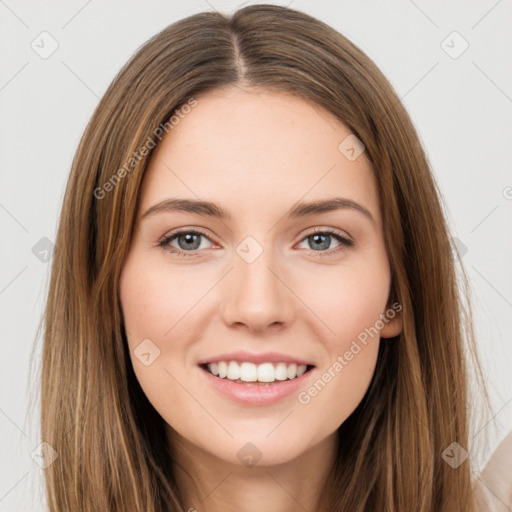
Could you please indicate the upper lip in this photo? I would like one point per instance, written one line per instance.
(270, 357)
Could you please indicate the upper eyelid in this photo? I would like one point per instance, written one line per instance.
(339, 232)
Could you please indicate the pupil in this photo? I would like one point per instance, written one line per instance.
(325, 244)
(189, 237)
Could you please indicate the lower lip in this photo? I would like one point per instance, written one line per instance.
(256, 394)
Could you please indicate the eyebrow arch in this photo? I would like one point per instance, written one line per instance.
(300, 209)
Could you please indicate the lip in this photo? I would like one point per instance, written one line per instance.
(253, 394)
(266, 357)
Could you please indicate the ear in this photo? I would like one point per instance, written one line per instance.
(392, 320)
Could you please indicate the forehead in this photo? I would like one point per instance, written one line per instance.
(251, 149)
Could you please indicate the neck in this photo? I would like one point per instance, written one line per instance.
(211, 484)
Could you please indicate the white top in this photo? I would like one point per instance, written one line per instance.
(494, 484)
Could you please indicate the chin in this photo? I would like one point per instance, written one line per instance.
(259, 450)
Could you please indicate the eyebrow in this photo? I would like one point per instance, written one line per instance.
(300, 209)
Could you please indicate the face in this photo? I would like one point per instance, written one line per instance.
(265, 285)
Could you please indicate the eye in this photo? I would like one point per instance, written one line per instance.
(321, 239)
(190, 240)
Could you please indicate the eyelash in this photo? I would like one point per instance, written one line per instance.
(345, 243)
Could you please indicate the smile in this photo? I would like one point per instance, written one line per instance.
(264, 373)
(265, 384)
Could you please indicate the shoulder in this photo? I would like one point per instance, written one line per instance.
(493, 487)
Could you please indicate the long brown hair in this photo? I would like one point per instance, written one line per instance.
(111, 446)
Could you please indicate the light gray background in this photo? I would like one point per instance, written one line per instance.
(462, 107)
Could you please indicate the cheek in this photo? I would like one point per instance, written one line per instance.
(153, 305)
(155, 317)
(152, 310)
(339, 387)
(350, 355)
(347, 300)
(348, 303)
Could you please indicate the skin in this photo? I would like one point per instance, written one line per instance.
(255, 153)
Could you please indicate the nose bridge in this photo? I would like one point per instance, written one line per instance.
(256, 294)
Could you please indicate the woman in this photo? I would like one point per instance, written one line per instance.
(253, 302)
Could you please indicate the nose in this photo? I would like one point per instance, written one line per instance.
(257, 294)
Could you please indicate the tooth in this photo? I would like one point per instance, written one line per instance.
(301, 369)
(281, 371)
(233, 371)
(248, 372)
(266, 372)
(223, 369)
(292, 371)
